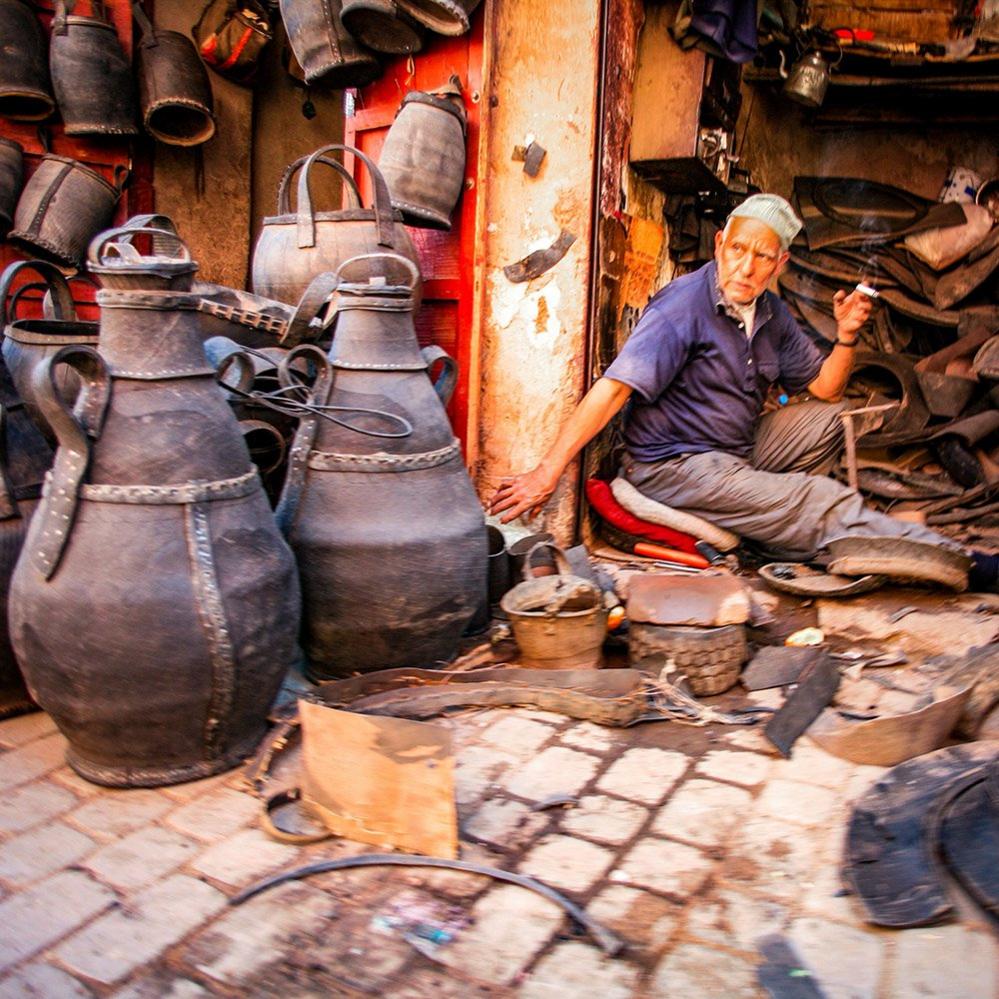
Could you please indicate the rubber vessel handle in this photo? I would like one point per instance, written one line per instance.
(55, 280)
(122, 235)
(447, 380)
(389, 258)
(561, 562)
(384, 213)
(284, 195)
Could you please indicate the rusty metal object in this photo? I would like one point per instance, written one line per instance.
(445, 17)
(91, 75)
(25, 91)
(535, 264)
(708, 601)
(11, 181)
(892, 739)
(559, 621)
(383, 26)
(890, 858)
(169, 599)
(175, 94)
(63, 206)
(899, 558)
(28, 342)
(324, 48)
(377, 504)
(294, 247)
(801, 581)
(423, 159)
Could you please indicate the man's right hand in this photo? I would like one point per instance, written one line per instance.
(527, 493)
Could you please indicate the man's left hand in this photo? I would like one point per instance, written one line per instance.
(851, 312)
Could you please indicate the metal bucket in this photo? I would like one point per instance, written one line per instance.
(295, 247)
(446, 17)
(175, 93)
(62, 207)
(25, 93)
(91, 75)
(324, 48)
(423, 159)
(560, 621)
(383, 26)
(11, 180)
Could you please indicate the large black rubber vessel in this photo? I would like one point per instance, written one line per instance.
(91, 75)
(324, 48)
(388, 532)
(25, 91)
(155, 606)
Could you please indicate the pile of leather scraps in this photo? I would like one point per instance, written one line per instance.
(932, 349)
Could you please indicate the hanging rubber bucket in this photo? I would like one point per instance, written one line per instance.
(560, 621)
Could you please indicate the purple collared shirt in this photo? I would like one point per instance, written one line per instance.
(699, 380)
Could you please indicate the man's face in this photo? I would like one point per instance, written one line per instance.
(749, 255)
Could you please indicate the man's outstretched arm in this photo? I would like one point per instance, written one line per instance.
(531, 490)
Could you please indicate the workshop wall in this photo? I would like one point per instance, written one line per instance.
(206, 189)
(779, 142)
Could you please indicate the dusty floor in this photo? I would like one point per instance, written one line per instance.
(689, 842)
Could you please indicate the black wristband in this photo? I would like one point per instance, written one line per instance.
(847, 343)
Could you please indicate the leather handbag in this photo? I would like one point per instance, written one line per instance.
(231, 35)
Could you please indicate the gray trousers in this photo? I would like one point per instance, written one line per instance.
(780, 496)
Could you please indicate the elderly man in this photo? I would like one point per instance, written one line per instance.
(696, 372)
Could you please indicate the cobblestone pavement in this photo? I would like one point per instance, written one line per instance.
(691, 843)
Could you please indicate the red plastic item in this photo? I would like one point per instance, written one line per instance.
(670, 554)
(854, 34)
(602, 500)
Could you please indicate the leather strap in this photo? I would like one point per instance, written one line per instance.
(211, 611)
(305, 435)
(8, 496)
(327, 461)
(73, 429)
(55, 282)
(284, 196)
(318, 293)
(187, 493)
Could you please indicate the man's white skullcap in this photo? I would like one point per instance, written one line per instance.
(773, 211)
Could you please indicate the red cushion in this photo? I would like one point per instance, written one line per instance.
(602, 500)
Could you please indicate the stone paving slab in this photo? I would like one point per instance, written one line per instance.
(688, 843)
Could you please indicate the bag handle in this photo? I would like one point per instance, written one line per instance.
(121, 237)
(318, 293)
(279, 445)
(62, 9)
(396, 259)
(73, 429)
(447, 379)
(561, 562)
(15, 299)
(284, 197)
(55, 280)
(384, 213)
(148, 39)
